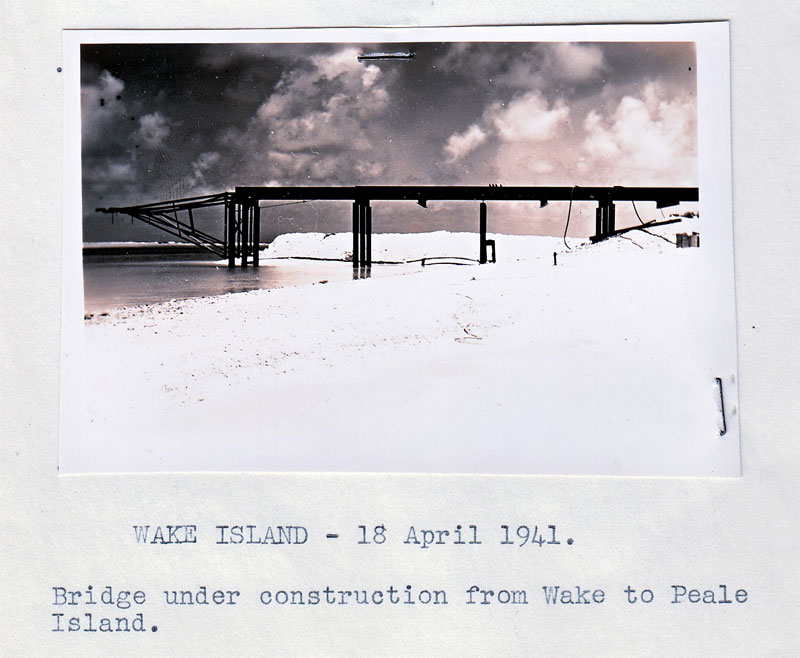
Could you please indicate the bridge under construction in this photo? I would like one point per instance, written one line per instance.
(241, 235)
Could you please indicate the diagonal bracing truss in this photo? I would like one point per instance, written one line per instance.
(176, 217)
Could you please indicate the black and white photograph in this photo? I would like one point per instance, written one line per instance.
(506, 252)
(331, 330)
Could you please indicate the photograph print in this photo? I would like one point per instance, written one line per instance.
(435, 255)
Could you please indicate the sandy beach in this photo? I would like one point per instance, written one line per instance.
(521, 366)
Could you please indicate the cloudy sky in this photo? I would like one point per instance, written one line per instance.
(168, 121)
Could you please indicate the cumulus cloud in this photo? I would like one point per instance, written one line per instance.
(520, 66)
(369, 170)
(338, 119)
(101, 106)
(321, 121)
(153, 129)
(644, 140)
(512, 133)
(459, 144)
(528, 118)
(577, 60)
(113, 172)
(200, 166)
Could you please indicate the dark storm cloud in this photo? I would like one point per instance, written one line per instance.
(165, 121)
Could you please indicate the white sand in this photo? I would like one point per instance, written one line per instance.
(591, 366)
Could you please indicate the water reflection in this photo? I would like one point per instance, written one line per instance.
(116, 281)
(111, 282)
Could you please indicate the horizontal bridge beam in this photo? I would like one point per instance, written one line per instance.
(664, 196)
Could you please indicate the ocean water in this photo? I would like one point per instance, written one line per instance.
(115, 281)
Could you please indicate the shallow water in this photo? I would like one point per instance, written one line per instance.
(115, 281)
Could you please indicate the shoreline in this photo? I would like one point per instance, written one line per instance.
(142, 248)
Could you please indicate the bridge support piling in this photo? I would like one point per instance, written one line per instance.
(598, 223)
(244, 221)
(368, 234)
(230, 211)
(362, 234)
(256, 232)
(356, 232)
(482, 254)
(610, 218)
(362, 229)
(605, 220)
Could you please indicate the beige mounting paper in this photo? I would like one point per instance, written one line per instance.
(654, 534)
